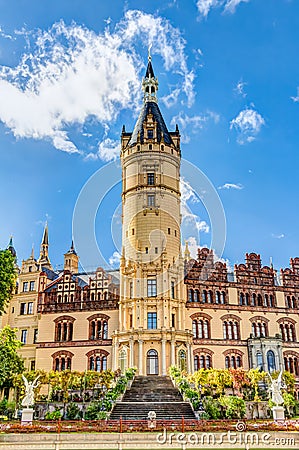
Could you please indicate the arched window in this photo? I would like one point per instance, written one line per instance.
(98, 327)
(231, 329)
(259, 300)
(62, 360)
(123, 360)
(152, 362)
(222, 298)
(271, 361)
(287, 330)
(218, 300)
(233, 359)
(190, 295)
(64, 329)
(241, 298)
(97, 360)
(202, 359)
(204, 296)
(210, 297)
(259, 360)
(253, 300)
(247, 299)
(201, 328)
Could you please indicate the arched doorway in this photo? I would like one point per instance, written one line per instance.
(152, 365)
(182, 360)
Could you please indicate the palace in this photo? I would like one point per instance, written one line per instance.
(162, 307)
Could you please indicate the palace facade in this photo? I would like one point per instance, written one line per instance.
(161, 307)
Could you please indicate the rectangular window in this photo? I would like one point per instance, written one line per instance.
(151, 200)
(150, 134)
(131, 320)
(24, 336)
(30, 308)
(131, 289)
(146, 250)
(151, 179)
(31, 286)
(25, 286)
(156, 250)
(152, 320)
(172, 289)
(151, 287)
(35, 334)
(173, 320)
(168, 230)
(32, 365)
(23, 309)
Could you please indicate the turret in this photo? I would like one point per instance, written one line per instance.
(43, 259)
(71, 260)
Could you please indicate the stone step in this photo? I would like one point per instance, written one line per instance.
(152, 393)
(139, 411)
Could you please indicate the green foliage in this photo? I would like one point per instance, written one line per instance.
(10, 362)
(130, 373)
(7, 408)
(93, 411)
(73, 411)
(234, 406)
(212, 407)
(289, 403)
(8, 275)
(53, 415)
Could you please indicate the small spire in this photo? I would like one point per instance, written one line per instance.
(271, 262)
(150, 82)
(72, 249)
(32, 252)
(45, 239)
(187, 254)
(11, 248)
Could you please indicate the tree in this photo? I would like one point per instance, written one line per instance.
(8, 276)
(10, 362)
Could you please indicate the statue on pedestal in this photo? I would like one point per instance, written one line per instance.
(275, 389)
(28, 400)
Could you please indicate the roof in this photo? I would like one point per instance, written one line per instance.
(150, 108)
(149, 70)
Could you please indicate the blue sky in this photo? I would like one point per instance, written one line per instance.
(228, 73)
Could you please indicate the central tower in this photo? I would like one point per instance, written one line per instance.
(151, 333)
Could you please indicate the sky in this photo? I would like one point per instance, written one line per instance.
(70, 77)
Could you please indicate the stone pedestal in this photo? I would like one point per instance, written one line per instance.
(278, 413)
(27, 416)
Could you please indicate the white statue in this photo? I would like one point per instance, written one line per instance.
(275, 389)
(28, 400)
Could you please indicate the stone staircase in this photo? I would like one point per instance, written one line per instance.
(152, 393)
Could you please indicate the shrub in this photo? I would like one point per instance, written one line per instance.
(234, 406)
(72, 411)
(212, 407)
(53, 415)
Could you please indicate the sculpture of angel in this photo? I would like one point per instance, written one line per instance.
(275, 389)
(28, 400)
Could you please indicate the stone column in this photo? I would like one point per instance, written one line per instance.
(163, 354)
(140, 356)
(172, 353)
(189, 364)
(131, 351)
(115, 359)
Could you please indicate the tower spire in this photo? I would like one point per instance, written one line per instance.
(44, 249)
(150, 82)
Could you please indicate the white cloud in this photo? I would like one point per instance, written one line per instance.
(70, 74)
(278, 236)
(193, 123)
(189, 195)
(239, 89)
(231, 186)
(248, 124)
(114, 260)
(296, 99)
(231, 5)
(205, 6)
